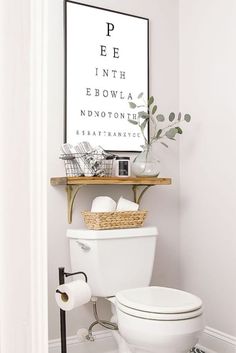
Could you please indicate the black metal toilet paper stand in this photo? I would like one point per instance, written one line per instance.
(62, 276)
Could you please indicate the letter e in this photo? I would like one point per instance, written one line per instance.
(103, 50)
(116, 53)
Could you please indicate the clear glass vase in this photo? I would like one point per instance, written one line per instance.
(146, 164)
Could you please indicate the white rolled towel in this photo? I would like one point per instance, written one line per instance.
(73, 294)
(103, 204)
(126, 205)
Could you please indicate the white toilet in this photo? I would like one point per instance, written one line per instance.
(119, 265)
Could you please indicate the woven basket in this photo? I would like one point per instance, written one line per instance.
(114, 220)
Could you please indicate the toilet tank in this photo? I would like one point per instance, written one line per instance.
(113, 259)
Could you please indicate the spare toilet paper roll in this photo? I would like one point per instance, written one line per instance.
(126, 205)
(103, 204)
(73, 294)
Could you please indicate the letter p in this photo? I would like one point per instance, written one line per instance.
(110, 28)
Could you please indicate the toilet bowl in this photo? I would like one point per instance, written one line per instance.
(158, 319)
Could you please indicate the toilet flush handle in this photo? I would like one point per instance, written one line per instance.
(83, 245)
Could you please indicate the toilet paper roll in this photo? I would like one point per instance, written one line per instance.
(73, 294)
(103, 204)
(126, 205)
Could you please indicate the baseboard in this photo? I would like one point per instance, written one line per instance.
(211, 341)
(215, 341)
(104, 343)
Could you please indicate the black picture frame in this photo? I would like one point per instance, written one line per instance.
(76, 116)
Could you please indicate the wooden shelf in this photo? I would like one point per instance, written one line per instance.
(73, 184)
(109, 181)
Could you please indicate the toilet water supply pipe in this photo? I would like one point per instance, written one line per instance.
(107, 324)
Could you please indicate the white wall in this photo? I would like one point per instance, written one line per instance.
(14, 177)
(162, 202)
(208, 173)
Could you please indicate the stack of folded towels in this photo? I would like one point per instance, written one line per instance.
(88, 160)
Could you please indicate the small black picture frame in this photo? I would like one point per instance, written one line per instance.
(106, 67)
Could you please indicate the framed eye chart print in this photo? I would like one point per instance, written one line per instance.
(106, 67)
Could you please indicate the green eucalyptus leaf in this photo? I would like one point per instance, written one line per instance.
(132, 105)
(164, 144)
(140, 95)
(171, 133)
(187, 117)
(171, 116)
(160, 117)
(158, 134)
(143, 125)
(179, 130)
(134, 122)
(150, 101)
(154, 109)
(143, 115)
(179, 116)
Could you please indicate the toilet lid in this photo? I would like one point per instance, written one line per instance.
(160, 300)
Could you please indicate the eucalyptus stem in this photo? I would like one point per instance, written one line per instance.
(171, 125)
(145, 139)
(164, 129)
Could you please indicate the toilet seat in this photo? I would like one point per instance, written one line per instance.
(159, 317)
(159, 303)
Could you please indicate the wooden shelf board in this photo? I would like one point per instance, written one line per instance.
(108, 181)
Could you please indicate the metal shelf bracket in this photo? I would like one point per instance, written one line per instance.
(139, 191)
(71, 191)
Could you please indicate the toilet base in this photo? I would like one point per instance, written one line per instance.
(124, 348)
(150, 336)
